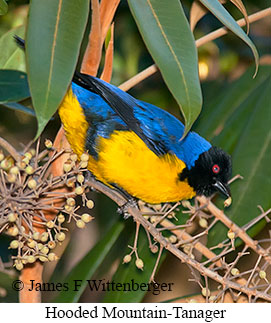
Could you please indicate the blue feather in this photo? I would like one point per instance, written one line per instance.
(157, 124)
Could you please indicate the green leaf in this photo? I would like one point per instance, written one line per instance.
(217, 110)
(19, 107)
(222, 14)
(54, 33)
(3, 7)
(12, 57)
(247, 135)
(167, 35)
(13, 86)
(128, 272)
(89, 264)
(6, 281)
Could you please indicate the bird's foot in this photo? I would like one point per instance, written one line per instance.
(125, 207)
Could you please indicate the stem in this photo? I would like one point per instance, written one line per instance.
(120, 200)
(31, 272)
(10, 149)
(234, 228)
(199, 42)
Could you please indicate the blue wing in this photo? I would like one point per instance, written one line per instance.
(117, 110)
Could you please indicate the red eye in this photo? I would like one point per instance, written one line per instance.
(216, 169)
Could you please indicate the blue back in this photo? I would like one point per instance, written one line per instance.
(157, 124)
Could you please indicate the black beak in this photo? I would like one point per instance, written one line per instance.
(222, 188)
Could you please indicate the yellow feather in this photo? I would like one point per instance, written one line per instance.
(74, 122)
(124, 159)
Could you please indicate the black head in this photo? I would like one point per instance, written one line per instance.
(211, 173)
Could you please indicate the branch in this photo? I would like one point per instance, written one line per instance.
(137, 216)
(241, 233)
(199, 42)
(12, 151)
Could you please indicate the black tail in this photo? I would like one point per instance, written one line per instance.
(20, 42)
(122, 107)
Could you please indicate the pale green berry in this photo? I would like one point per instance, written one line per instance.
(32, 184)
(44, 237)
(44, 250)
(13, 231)
(36, 235)
(52, 256)
(43, 258)
(30, 259)
(172, 239)
(61, 218)
(90, 204)
(67, 167)
(51, 244)
(19, 266)
(48, 144)
(86, 217)
(31, 243)
(14, 244)
(68, 208)
(262, 274)
(73, 157)
(40, 246)
(84, 157)
(80, 224)
(70, 201)
(29, 170)
(26, 160)
(203, 223)
(231, 235)
(60, 236)
(235, 271)
(50, 224)
(11, 178)
(28, 155)
(154, 248)
(205, 292)
(14, 170)
(80, 178)
(83, 164)
(12, 217)
(126, 259)
(79, 190)
(139, 263)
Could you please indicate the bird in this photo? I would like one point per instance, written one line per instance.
(138, 148)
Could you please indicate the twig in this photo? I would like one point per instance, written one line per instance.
(235, 228)
(12, 151)
(172, 249)
(156, 264)
(199, 42)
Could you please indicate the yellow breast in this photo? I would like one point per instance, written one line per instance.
(124, 159)
(74, 122)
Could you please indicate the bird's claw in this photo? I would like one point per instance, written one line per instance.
(123, 209)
